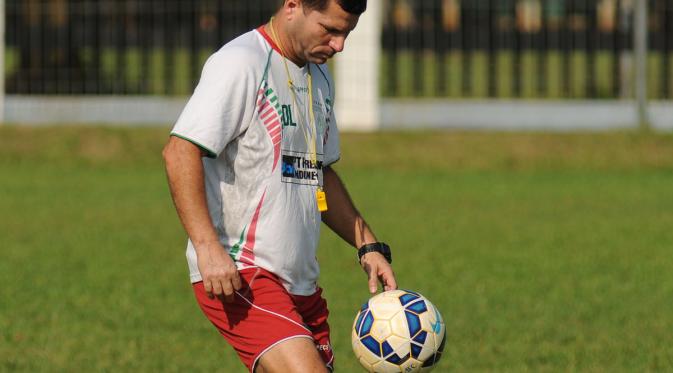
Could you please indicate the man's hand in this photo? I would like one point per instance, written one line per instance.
(218, 272)
(378, 269)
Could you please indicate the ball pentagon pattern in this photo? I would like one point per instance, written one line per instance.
(398, 331)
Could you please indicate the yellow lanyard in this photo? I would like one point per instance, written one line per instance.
(310, 130)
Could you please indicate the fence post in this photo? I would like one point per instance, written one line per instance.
(640, 45)
(2, 61)
(357, 73)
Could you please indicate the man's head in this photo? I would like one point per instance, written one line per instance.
(356, 7)
(316, 30)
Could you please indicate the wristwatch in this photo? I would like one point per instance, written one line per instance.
(379, 247)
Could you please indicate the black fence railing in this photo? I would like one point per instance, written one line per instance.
(522, 48)
(432, 48)
(119, 46)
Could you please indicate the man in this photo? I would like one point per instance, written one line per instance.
(249, 168)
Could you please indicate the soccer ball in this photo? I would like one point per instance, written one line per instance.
(398, 331)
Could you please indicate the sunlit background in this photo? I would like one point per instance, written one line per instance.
(517, 155)
(522, 50)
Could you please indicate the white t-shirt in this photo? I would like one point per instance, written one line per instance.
(260, 180)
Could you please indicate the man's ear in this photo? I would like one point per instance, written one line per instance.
(290, 7)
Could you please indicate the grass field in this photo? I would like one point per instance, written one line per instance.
(544, 252)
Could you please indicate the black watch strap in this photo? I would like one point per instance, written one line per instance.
(379, 247)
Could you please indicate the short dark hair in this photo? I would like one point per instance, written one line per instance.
(351, 6)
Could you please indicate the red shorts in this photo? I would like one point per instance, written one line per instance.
(264, 314)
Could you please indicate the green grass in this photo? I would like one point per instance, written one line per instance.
(544, 252)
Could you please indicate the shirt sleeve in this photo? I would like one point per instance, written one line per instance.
(331, 149)
(223, 102)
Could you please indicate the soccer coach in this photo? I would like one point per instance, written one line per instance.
(249, 169)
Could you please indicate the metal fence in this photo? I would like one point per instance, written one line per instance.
(119, 46)
(522, 48)
(432, 48)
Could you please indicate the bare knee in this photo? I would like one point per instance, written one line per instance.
(296, 355)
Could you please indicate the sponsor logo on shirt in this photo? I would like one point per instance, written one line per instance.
(286, 116)
(298, 168)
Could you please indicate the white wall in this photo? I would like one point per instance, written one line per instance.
(357, 73)
(2, 61)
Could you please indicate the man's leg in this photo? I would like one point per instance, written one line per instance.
(295, 355)
(264, 319)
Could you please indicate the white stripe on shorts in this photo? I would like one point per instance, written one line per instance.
(273, 313)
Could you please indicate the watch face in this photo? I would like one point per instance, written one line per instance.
(385, 249)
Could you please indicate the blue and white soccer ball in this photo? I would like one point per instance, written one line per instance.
(398, 331)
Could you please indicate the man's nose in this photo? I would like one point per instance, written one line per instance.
(337, 43)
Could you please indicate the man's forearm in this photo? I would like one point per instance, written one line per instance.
(184, 169)
(342, 216)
